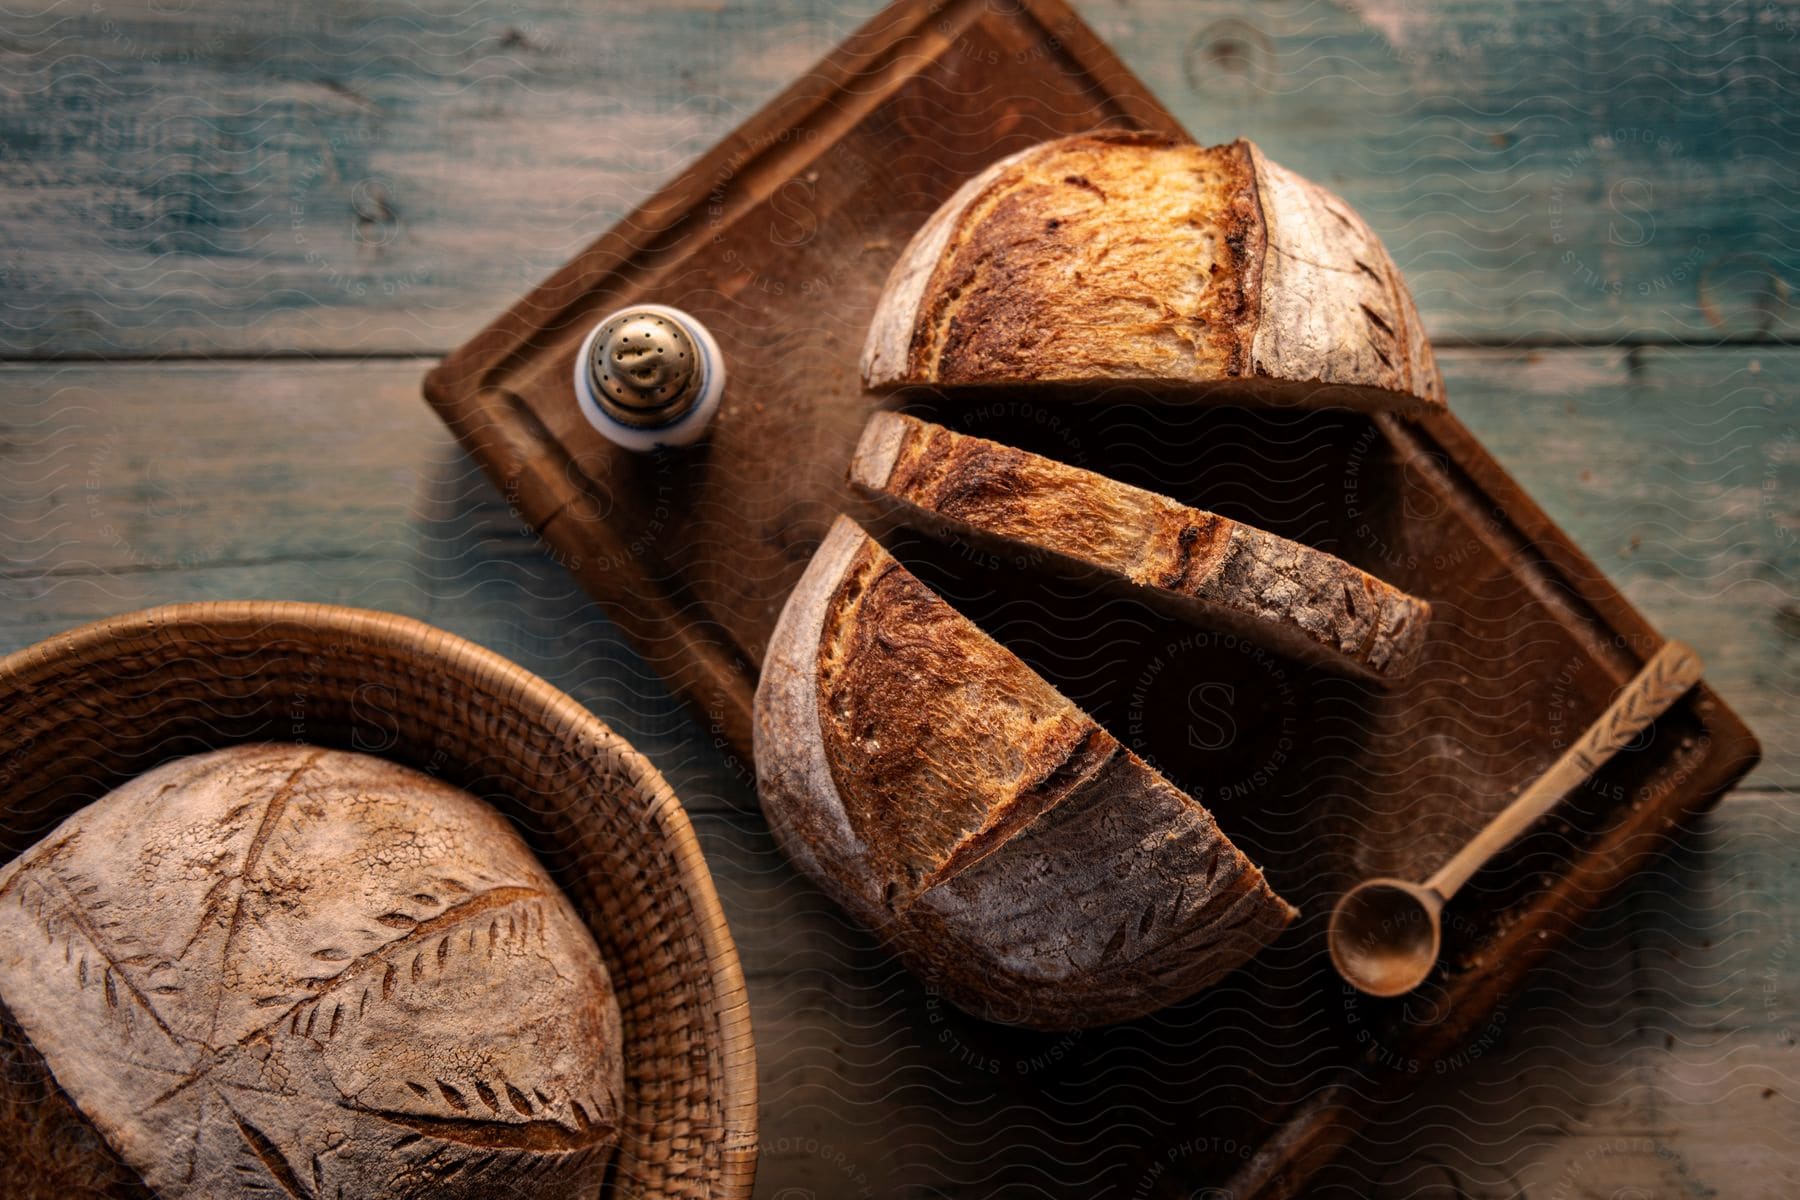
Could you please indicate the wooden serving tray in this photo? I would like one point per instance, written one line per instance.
(780, 240)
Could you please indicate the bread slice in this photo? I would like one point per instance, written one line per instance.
(1132, 257)
(1194, 564)
(1030, 867)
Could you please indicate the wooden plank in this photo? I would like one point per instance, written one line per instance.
(123, 486)
(229, 178)
(1539, 170)
(362, 498)
(382, 175)
(1657, 1055)
(126, 469)
(1678, 471)
(1657, 1050)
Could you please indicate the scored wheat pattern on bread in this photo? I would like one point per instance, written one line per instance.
(290, 968)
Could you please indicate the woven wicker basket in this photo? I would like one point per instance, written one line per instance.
(86, 710)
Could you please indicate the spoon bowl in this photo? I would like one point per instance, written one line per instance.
(1385, 935)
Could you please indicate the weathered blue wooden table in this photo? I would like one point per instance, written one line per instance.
(237, 234)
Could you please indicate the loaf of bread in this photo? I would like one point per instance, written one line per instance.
(1028, 866)
(285, 971)
(1194, 564)
(1131, 257)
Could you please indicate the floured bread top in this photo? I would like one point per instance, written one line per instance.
(308, 972)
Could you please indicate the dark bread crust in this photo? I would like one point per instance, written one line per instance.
(1132, 257)
(1122, 900)
(1195, 564)
(1012, 852)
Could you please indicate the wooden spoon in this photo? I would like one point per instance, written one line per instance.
(1385, 933)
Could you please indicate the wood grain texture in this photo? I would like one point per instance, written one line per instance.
(288, 969)
(326, 180)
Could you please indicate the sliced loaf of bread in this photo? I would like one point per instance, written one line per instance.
(1030, 867)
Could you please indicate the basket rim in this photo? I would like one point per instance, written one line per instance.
(515, 686)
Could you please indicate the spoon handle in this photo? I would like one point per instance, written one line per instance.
(1674, 669)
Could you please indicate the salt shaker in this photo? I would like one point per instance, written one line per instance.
(649, 375)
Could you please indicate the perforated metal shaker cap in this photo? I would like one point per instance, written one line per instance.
(645, 368)
(649, 375)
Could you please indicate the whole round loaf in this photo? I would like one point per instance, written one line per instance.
(291, 971)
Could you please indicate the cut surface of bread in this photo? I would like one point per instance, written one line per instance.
(1195, 564)
(1117, 257)
(1028, 865)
